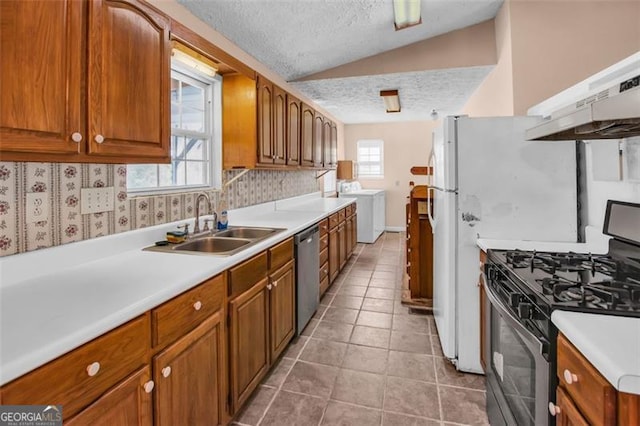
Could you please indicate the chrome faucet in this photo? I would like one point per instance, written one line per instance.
(211, 211)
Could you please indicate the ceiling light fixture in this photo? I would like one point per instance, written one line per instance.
(434, 114)
(406, 13)
(193, 59)
(391, 100)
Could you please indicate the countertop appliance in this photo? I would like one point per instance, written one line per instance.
(603, 106)
(371, 207)
(524, 287)
(488, 182)
(307, 255)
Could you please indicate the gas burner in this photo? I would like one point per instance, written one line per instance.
(579, 294)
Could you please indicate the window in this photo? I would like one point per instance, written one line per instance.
(371, 158)
(196, 150)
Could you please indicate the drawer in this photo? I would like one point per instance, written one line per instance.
(324, 271)
(333, 220)
(354, 208)
(184, 312)
(349, 210)
(568, 410)
(280, 254)
(324, 285)
(245, 275)
(324, 226)
(591, 392)
(79, 377)
(324, 241)
(342, 215)
(324, 255)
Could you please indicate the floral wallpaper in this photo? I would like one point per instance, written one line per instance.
(65, 224)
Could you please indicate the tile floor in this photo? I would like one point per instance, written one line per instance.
(365, 360)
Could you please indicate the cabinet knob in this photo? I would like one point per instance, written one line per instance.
(148, 387)
(197, 306)
(554, 410)
(99, 139)
(275, 283)
(569, 377)
(76, 137)
(326, 271)
(92, 369)
(269, 287)
(166, 372)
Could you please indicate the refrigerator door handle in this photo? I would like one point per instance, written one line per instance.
(432, 166)
(432, 221)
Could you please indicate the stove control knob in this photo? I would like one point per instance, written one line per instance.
(524, 310)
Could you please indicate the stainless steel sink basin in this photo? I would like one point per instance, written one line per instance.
(245, 232)
(213, 245)
(222, 243)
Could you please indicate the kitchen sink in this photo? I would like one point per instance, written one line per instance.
(221, 243)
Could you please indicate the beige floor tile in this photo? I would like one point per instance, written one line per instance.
(311, 379)
(360, 272)
(278, 372)
(353, 290)
(344, 315)
(310, 327)
(374, 319)
(294, 409)
(411, 366)
(412, 397)
(365, 358)
(435, 344)
(395, 419)
(295, 347)
(356, 281)
(410, 342)
(377, 305)
(412, 323)
(382, 283)
(324, 352)
(350, 302)
(253, 410)
(368, 336)
(320, 311)
(335, 331)
(464, 406)
(380, 293)
(448, 375)
(359, 388)
(384, 275)
(339, 414)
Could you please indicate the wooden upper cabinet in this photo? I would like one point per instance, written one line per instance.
(266, 152)
(326, 145)
(306, 151)
(40, 75)
(293, 133)
(128, 87)
(279, 126)
(333, 140)
(239, 122)
(318, 127)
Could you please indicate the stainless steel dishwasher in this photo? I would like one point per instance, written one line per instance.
(307, 252)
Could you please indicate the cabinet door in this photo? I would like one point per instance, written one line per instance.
(41, 75)
(129, 403)
(334, 256)
(128, 88)
(318, 124)
(354, 231)
(349, 237)
(569, 414)
(293, 130)
(266, 153)
(306, 152)
(326, 145)
(279, 125)
(342, 242)
(189, 376)
(334, 144)
(249, 351)
(283, 307)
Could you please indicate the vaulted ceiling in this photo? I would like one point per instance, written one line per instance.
(300, 38)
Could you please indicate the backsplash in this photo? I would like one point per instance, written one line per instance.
(64, 223)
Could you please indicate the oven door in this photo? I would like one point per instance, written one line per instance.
(517, 371)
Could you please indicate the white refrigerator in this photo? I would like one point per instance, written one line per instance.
(488, 182)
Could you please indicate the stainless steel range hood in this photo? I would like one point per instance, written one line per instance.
(603, 106)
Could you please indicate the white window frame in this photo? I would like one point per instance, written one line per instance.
(213, 129)
(363, 163)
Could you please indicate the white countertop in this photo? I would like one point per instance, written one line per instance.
(56, 299)
(610, 343)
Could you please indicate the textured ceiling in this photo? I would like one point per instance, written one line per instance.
(296, 38)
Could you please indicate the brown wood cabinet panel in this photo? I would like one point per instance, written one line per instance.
(342, 215)
(184, 312)
(569, 414)
(128, 84)
(324, 226)
(126, 404)
(334, 145)
(280, 254)
(189, 377)
(318, 124)
(282, 306)
(239, 122)
(245, 275)
(279, 126)
(307, 146)
(294, 129)
(628, 409)
(334, 254)
(266, 154)
(324, 255)
(112, 356)
(354, 230)
(324, 286)
(249, 342)
(342, 245)
(324, 241)
(348, 237)
(334, 220)
(591, 392)
(40, 75)
(326, 145)
(324, 272)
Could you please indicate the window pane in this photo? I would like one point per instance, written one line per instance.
(192, 119)
(195, 148)
(195, 173)
(179, 147)
(142, 175)
(165, 173)
(175, 116)
(192, 96)
(180, 172)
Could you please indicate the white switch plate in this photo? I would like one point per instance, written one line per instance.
(96, 200)
(37, 207)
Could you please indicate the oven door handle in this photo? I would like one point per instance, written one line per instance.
(513, 321)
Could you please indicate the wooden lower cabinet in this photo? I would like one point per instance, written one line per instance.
(568, 413)
(348, 225)
(282, 304)
(189, 377)
(129, 403)
(249, 341)
(334, 254)
(354, 231)
(342, 244)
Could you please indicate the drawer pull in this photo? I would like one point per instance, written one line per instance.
(197, 306)
(76, 137)
(92, 369)
(166, 372)
(569, 377)
(148, 387)
(554, 410)
(99, 138)
(275, 283)
(269, 287)
(326, 271)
